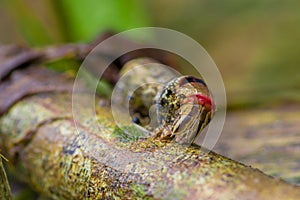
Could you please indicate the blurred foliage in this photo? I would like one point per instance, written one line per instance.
(87, 19)
(253, 42)
(53, 21)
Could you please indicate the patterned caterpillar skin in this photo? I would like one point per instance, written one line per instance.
(183, 104)
(185, 107)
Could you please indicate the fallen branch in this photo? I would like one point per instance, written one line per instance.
(39, 137)
(4, 187)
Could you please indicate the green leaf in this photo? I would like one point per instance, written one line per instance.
(86, 19)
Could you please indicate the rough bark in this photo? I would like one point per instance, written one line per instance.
(4, 186)
(39, 137)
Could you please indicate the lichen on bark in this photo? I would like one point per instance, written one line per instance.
(5, 192)
(65, 161)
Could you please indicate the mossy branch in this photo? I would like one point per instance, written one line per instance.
(92, 161)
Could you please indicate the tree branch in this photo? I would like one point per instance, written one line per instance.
(65, 161)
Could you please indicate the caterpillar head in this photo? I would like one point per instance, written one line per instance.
(185, 108)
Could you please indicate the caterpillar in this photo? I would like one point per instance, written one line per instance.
(183, 105)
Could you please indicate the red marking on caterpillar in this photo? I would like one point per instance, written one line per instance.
(203, 100)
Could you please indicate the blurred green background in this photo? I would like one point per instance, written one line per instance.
(255, 43)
